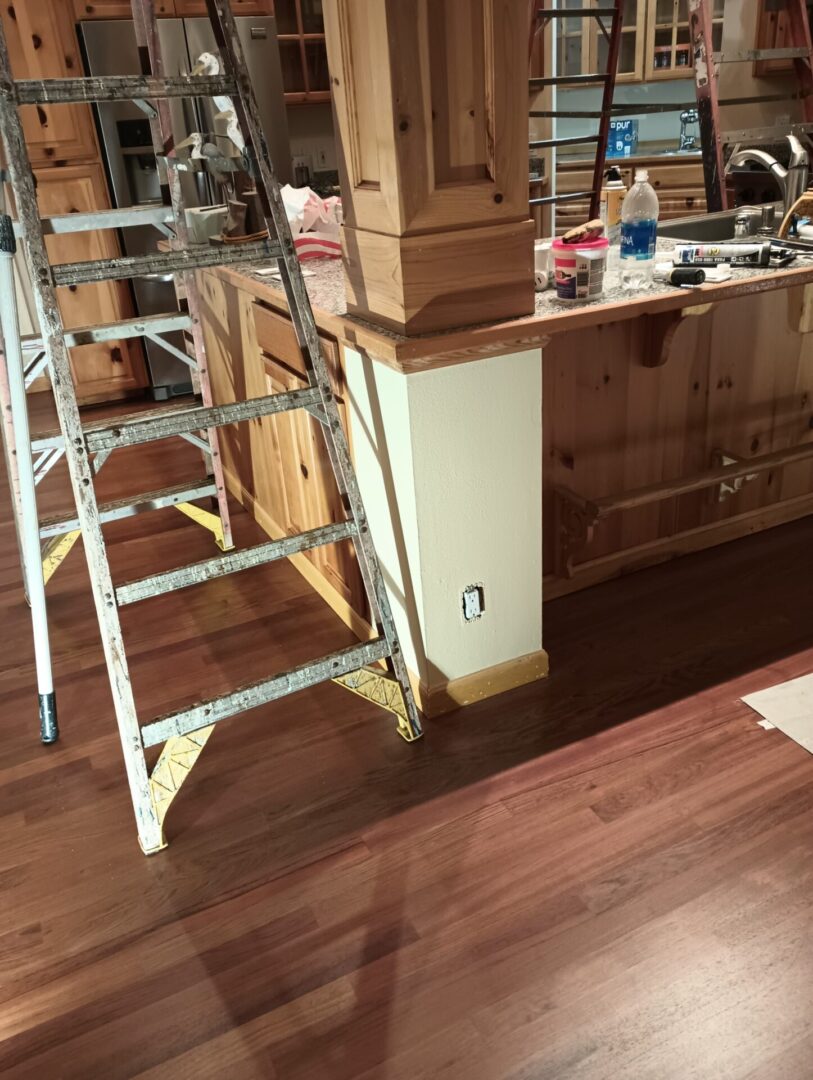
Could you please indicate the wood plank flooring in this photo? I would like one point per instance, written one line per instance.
(606, 875)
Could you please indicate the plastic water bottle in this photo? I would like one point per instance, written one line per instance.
(639, 230)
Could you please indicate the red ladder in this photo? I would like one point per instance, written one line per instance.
(713, 139)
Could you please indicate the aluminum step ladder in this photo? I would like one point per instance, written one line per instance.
(358, 668)
(610, 13)
(706, 65)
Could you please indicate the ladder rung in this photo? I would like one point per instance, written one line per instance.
(259, 693)
(127, 328)
(164, 423)
(120, 88)
(159, 584)
(558, 80)
(576, 13)
(570, 140)
(103, 219)
(570, 197)
(58, 524)
(563, 114)
(743, 56)
(163, 262)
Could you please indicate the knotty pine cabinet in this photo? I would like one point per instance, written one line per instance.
(277, 466)
(42, 45)
(66, 158)
(109, 369)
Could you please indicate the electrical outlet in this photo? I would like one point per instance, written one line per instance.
(474, 603)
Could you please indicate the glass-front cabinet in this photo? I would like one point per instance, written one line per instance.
(655, 42)
(668, 40)
(301, 35)
(583, 45)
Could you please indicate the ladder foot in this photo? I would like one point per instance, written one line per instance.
(49, 728)
(152, 850)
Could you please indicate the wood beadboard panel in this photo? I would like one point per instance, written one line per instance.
(738, 380)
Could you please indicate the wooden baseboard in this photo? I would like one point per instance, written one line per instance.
(479, 685)
(432, 700)
(670, 547)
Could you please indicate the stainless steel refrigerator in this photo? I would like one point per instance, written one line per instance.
(109, 48)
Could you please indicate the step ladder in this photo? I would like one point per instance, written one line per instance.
(358, 668)
(609, 17)
(706, 66)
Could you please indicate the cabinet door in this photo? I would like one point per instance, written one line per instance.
(582, 46)
(42, 45)
(115, 9)
(109, 369)
(668, 41)
(303, 490)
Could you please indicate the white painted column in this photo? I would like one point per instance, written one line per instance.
(450, 467)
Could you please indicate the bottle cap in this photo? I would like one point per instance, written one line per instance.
(613, 175)
(641, 175)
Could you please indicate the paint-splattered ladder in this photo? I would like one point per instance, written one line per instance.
(182, 733)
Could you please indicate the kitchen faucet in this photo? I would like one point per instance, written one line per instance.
(792, 180)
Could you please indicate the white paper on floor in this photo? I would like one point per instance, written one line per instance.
(788, 707)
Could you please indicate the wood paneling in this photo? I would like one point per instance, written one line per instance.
(42, 45)
(601, 875)
(111, 369)
(738, 380)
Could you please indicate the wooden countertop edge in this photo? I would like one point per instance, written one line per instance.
(479, 342)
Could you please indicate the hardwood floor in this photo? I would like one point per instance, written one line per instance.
(606, 875)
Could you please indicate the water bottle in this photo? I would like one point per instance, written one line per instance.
(639, 230)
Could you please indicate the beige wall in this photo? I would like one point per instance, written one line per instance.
(454, 496)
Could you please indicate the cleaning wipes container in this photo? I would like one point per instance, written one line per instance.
(579, 268)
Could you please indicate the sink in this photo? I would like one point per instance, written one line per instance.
(713, 228)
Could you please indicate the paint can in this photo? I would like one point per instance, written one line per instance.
(579, 269)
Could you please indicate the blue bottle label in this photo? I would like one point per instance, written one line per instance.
(638, 239)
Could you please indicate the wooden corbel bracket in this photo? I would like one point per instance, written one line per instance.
(576, 519)
(660, 330)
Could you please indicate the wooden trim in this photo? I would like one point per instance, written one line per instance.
(457, 693)
(661, 550)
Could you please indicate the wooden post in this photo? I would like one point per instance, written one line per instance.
(431, 102)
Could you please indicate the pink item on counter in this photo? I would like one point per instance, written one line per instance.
(579, 268)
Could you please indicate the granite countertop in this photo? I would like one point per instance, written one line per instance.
(325, 284)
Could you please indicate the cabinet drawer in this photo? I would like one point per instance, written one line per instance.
(276, 338)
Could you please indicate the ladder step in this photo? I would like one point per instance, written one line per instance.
(576, 80)
(120, 88)
(570, 140)
(744, 56)
(127, 328)
(163, 423)
(58, 524)
(103, 219)
(159, 584)
(576, 13)
(164, 262)
(259, 693)
(570, 197)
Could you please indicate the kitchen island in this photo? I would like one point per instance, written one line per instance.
(610, 422)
